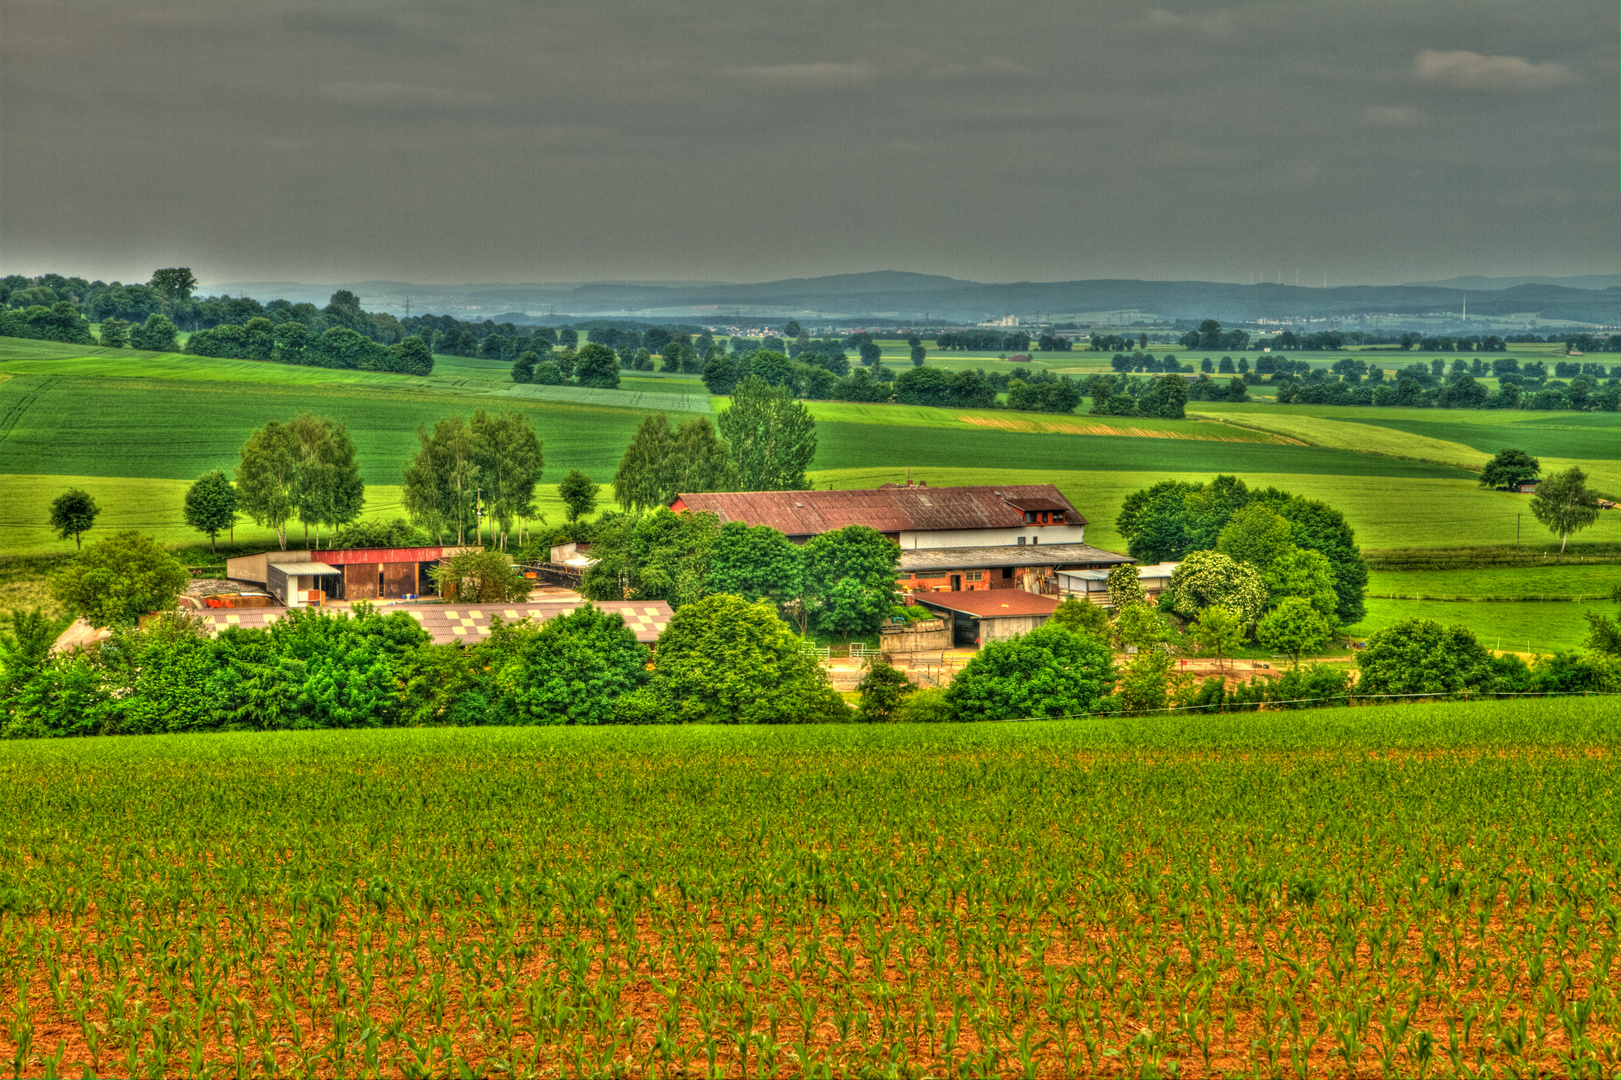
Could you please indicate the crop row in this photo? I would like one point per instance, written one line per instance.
(1395, 891)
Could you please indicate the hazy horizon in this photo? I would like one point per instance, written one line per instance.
(1200, 140)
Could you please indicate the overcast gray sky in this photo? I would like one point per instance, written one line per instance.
(997, 140)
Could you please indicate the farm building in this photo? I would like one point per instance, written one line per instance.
(952, 539)
(979, 618)
(297, 578)
(1093, 584)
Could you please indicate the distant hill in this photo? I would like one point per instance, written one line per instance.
(900, 296)
(1584, 281)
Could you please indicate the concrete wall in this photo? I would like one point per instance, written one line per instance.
(1008, 626)
(950, 538)
(256, 567)
(927, 635)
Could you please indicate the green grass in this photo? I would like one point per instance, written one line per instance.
(913, 416)
(1530, 582)
(154, 507)
(179, 430)
(1387, 512)
(1514, 626)
(537, 895)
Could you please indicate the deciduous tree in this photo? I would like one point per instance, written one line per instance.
(1218, 631)
(1565, 504)
(1509, 469)
(850, 579)
(1047, 672)
(579, 494)
(509, 459)
(772, 437)
(723, 660)
(115, 581)
(267, 478)
(441, 478)
(1295, 626)
(72, 514)
(211, 505)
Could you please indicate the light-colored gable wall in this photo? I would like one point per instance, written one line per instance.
(952, 538)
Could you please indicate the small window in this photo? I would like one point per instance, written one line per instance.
(1030, 517)
(1021, 541)
(975, 575)
(1035, 539)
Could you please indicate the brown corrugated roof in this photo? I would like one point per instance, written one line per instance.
(891, 508)
(991, 603)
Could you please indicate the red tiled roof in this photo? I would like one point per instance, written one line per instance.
(991, 603)
(891, 508)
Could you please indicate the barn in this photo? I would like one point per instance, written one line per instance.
(297, 578)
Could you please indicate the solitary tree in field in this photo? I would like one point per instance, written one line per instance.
(211, 505)
(1509, 469)
(72, 514)
(579, 494)
(1565, 504)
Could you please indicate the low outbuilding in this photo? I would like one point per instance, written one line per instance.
(977, 618)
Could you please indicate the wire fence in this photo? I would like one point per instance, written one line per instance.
(1348, 699)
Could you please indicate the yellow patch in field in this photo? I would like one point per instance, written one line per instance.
(1066, 427)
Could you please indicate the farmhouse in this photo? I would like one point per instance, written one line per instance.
(952, 539)
(298, 578)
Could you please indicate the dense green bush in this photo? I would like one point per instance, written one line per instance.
(724, 660)
(1050, 671)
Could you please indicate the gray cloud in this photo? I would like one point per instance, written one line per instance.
(1461, 69)
(730, 140)
(1392, 116)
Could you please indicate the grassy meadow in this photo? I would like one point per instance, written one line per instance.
(1393, 891)
(135, 428)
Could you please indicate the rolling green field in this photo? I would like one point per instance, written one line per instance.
(135, 428)
(1377, 891)
(1532, 582)
(1523, 627)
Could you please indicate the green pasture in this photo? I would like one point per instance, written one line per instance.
(154, 506)
(1464, 437)
(1411, 511)
(179, 430)
(980, 420)
(1512, 626)
(1527, 582)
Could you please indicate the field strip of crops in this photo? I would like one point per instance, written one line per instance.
(1391, 891)
(1348, 435)
(1211, 430)
(640, 400)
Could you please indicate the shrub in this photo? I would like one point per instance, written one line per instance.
(483, 577)
(927, 705)
(882, 690)
(1420, 656)
(1047, 672)
(1209, 577)
(569, 670)
(1081, 616)
(115, 581)
(724, 660)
